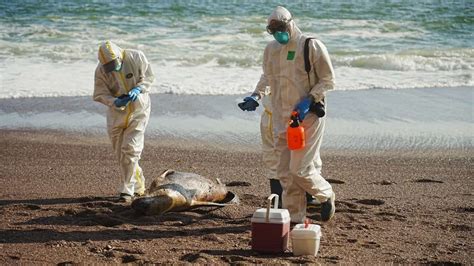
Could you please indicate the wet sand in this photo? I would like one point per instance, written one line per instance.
(58, 205)
(362, 119)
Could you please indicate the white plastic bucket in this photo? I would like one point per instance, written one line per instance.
(305, 240)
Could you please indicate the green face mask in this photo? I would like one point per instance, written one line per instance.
(282, 37)
(114, 65)
(118, 65)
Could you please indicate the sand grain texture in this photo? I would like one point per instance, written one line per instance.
(57, 205)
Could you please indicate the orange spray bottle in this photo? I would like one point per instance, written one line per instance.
(295, 133)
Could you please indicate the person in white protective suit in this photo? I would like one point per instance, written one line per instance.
(292, 88)
(123, 79)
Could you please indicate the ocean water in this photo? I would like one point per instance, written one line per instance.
(49, 48)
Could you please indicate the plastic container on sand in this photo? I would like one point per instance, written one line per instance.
(305, 239)
(270, 228)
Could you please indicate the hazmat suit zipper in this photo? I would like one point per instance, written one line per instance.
(139, 179)
(124, 84)
(129, 106)
(270, 123)
(284, 82)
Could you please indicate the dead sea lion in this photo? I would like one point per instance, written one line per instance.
(177, 191)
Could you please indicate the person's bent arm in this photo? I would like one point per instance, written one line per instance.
(324, 71)
(101, 92)
(147, 77)
(263, 82)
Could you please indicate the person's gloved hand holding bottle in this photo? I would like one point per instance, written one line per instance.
(122, 100)
(303, 107)
(250, 103)
(133, 93)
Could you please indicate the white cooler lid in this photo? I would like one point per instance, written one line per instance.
(313, 231)
(276, 216)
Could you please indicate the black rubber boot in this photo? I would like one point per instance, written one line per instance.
(275, 188)
(328, 208)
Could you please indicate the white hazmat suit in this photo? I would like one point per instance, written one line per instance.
(299, 171)
(125, 126)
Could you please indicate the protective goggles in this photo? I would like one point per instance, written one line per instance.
(112, 65)
(277, 25)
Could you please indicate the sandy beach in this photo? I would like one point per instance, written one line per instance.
(58, 205)
(397, 148)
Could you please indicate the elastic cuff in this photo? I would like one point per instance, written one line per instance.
(255, 96)
(317, 97)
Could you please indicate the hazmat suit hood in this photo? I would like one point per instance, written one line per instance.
(110, 56)
(282, 14)
(109, 51)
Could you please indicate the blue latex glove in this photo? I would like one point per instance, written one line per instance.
(303, 107)
(249, 104)
(133, 93)
(122, 100)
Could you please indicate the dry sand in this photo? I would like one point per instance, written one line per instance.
(58, 205)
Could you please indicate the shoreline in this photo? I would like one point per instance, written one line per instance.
(431, 118)
(179, 142)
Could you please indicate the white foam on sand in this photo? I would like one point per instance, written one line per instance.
(22, 78)
(76, 122)
(394, 134)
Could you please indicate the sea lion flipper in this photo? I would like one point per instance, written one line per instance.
(207, 203)
(158, 181)
(167, 172)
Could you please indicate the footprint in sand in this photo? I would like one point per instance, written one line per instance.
(91, 217)
(252, 200)
(97, 204)
(427, 180)
(128, 258)
(107, 221)
(373, 202)
(190, 257)
(67, 263)
(465, 209)
(460, 227)
(348, 207)
(384, 183)
(370, 244)
(238, 184)
(203, 258)
(390, 216)
(26, 206)
(335, 181)
(93, 198)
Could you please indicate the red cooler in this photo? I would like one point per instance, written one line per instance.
(270, 228)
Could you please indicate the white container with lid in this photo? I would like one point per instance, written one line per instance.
(275, 216)
(305, 239)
